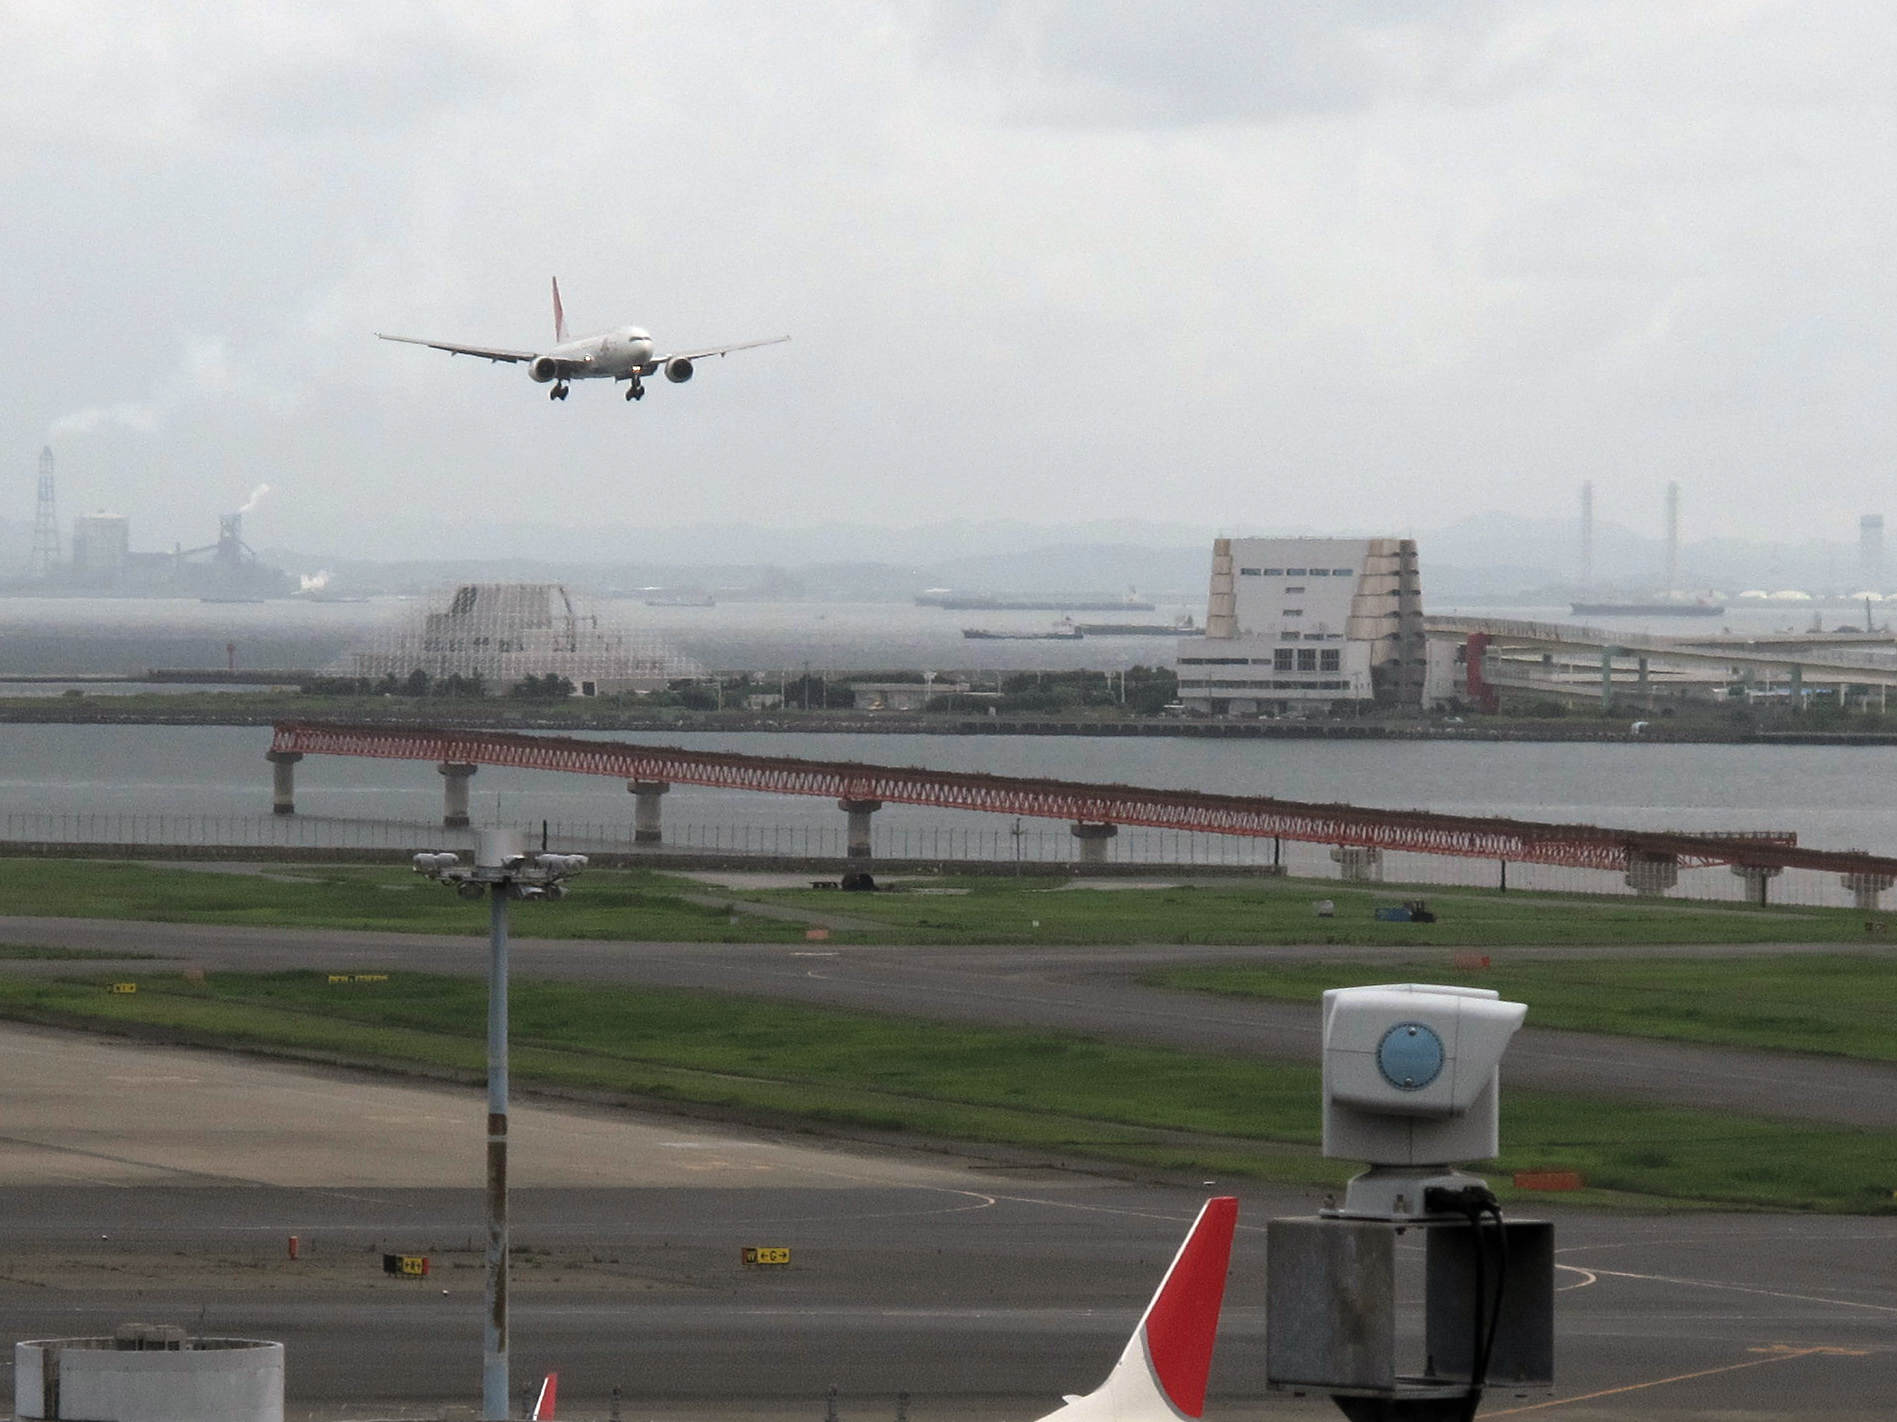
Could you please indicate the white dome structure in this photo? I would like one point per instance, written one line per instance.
(504, 633)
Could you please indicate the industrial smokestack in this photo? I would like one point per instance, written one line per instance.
(1672, 537)
(1870, 552)
(1587, 537)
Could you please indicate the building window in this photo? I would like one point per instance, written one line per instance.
(1307, 659)
(1343, 572)
(1320, 572)
(1294, 590)
(1331, 659)
(1295, 572)
(1299, 612)
(1287, 636)
(1281, 659)
(1274, 572)
(1248, 572)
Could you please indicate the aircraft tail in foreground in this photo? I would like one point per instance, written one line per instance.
(1162, 1372)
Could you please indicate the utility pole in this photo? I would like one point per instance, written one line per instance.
(501, 872)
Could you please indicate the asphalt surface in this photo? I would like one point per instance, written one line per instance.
(1080, 989)
(163, 1184)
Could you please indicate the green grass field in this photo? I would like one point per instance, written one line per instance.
(1842, 1004)
(642, 905)
(1051, 1095)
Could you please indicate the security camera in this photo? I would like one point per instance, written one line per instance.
(1411, 1075)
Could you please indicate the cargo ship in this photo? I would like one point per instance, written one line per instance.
(1183, 627)
(988, 602)
(1062, 631)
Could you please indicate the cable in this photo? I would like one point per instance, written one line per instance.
(1478, 1205)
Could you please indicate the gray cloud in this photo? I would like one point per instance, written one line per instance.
(1296, 265)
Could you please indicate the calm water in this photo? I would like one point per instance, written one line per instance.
(75, 635)
(1834, 797)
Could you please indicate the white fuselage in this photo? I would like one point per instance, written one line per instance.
(618, 354)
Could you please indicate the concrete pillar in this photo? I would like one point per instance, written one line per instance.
(1607, 675)
(1651, 875)
(1866, 888)
(1646, 684)
(1359, 863)
(856, 841)
(647, 826)
(1797, 690)
(454, 793)
(1757, 876)
(1094, 839)
(283, 780)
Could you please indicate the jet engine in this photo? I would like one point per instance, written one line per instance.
(678, 370)
(543, 369)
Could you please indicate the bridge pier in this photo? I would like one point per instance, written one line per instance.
(1359, 863)
(454, 792)
(283, 780)
(856, 838)
(1607, 676)
(1650, 875)
(1867, 888)
(1094, 839)
(647, 824)
(1757, 877)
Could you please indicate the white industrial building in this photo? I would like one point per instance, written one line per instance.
(101, 547)
(1297, 624)
(506, 632)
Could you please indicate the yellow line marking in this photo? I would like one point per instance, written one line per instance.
(1776, 1357)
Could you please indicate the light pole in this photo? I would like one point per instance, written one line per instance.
(501, 872)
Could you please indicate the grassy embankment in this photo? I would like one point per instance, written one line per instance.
(642, 905)
(1839, 1005)
(1040, 1095)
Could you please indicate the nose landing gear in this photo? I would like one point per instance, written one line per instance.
(635, 389)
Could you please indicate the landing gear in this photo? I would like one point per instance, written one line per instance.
(558, 392)
(636, 389)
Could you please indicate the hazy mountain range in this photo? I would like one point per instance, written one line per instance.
(1483, 556)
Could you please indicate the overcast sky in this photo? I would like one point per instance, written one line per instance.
(1314, 265)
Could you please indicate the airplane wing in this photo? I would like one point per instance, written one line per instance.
(485, 352)
(722, 350)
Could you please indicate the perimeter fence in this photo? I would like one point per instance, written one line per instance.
(992, 847)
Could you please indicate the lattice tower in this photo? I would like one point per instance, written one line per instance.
(46, 519)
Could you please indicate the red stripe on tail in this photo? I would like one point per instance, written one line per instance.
(559, 316)
(1184, 1317)
(543, 1405)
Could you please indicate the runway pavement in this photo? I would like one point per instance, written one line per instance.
(163, 1183)
(1080, 989)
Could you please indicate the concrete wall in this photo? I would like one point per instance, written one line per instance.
(213, 1380)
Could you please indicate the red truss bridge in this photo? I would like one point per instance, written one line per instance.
(1081, 802)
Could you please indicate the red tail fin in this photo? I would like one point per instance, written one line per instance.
(1183, 1317)
(559, 316)
(1162, 1373)
(543, 1405)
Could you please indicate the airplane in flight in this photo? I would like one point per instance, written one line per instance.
(1162, 1371)
(626, 353)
